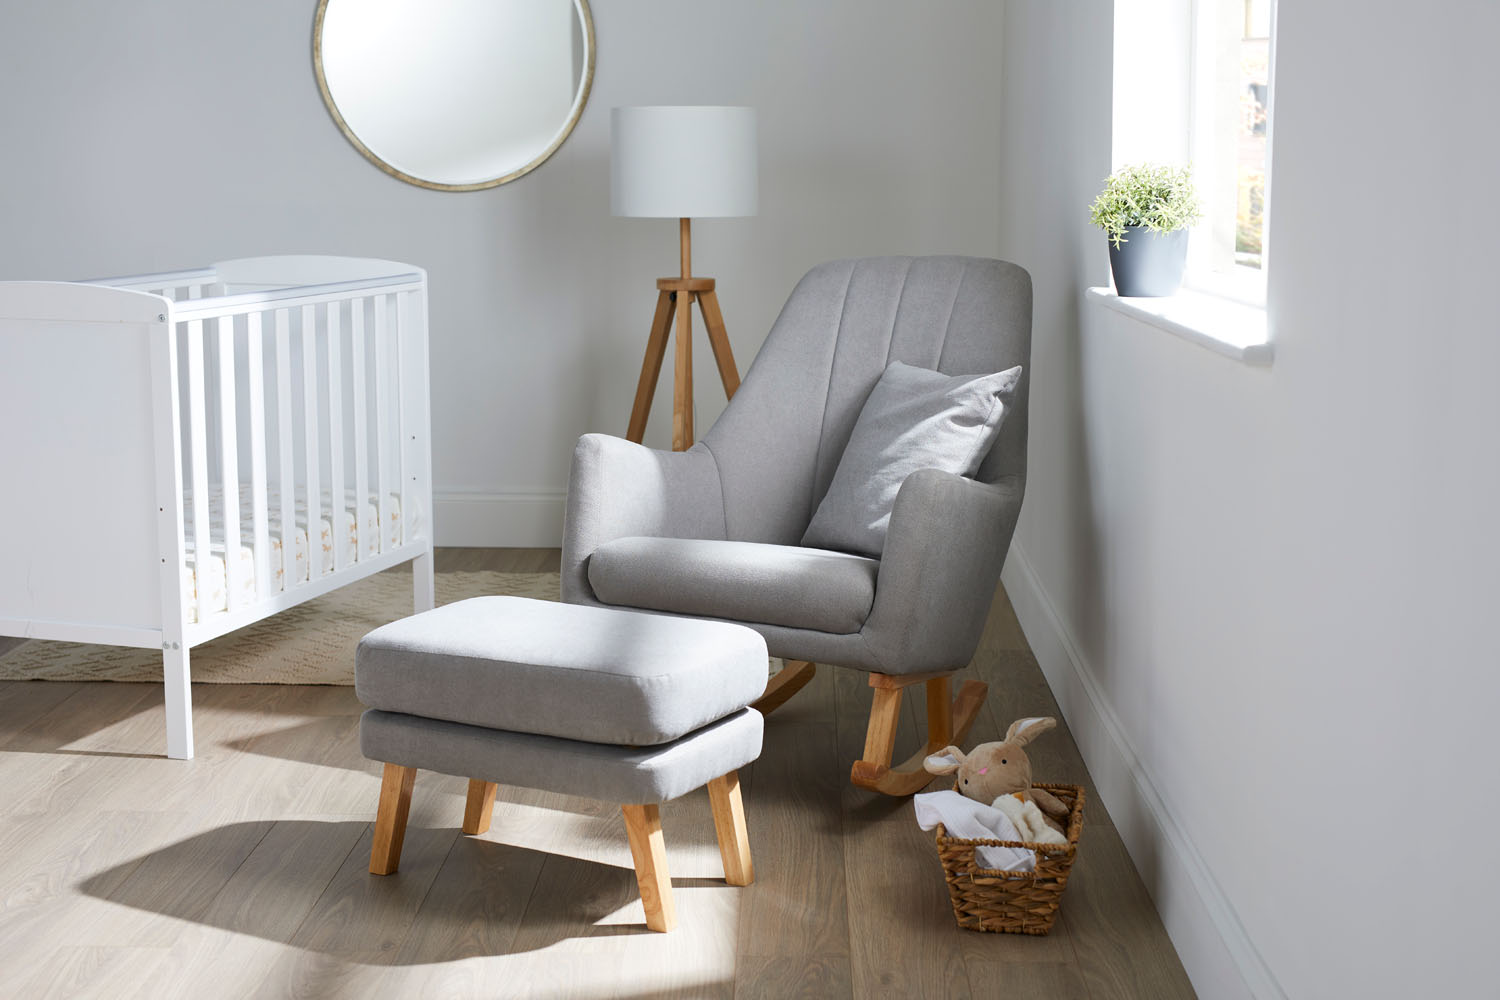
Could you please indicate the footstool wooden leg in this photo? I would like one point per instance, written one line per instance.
(479, 807)
(643, 827)
(390, 818)
(729, 823)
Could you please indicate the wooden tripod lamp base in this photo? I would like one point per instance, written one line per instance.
(674, 302)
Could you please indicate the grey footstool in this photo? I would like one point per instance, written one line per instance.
(612, 705)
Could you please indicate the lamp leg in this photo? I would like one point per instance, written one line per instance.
(718, 339)
(656, 351)
(682, 388)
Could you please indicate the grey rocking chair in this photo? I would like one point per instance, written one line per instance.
(713, 532)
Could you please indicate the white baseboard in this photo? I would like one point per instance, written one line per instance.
(516, 519)
(1215, 949)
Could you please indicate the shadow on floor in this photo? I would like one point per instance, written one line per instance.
(450, 901)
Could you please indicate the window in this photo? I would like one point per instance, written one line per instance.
(1193, 84)
(1229, 140)
(1254, 133)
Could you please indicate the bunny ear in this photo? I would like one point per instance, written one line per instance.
(1023, 731)
(946, 762)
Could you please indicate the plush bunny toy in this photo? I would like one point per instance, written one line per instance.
(1000, 774)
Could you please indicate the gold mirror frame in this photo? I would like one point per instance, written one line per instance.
(587, 17)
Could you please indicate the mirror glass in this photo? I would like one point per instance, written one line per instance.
(455, 94)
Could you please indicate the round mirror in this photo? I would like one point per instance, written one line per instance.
(457, 95)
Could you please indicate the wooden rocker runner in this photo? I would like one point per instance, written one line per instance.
(948, 722)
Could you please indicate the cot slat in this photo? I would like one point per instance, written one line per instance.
(312, 486)
(383, 417)
(229, 465)
(285, 449)
(403, 405)
(367, 544)
(336, 433)
(255, 377)
(198, 434)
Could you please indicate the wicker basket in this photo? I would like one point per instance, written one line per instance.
(1012, 902)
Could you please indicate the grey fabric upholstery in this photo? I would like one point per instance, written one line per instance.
(765, 465)
(746, 581)
(590, 770)
(914, 419)
(604, 676)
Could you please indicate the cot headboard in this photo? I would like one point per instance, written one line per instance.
(76, 370)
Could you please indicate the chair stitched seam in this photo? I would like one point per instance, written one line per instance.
(828, 386)
(948, 323)
(723, 498)
(890, 340)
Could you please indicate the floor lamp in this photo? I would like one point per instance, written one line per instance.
(681, 163)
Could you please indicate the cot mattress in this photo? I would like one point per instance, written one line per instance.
(355, 535)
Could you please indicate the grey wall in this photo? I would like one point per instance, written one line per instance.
(164, 134)
(1266, 597)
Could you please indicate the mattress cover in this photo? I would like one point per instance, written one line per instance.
(360, 535)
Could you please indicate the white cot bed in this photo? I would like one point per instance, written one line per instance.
(191, 452)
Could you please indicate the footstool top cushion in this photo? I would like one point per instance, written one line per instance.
(595, 674)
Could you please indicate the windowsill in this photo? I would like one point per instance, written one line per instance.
(1224, 326)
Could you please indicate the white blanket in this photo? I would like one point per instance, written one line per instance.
(969, 820)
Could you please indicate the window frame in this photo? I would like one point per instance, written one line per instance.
(1212, 269)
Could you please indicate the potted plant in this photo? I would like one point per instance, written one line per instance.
(1145, 211)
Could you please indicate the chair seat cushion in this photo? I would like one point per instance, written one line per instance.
(594, 674)
(743, 581)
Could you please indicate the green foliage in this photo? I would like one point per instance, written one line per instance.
(1160, 198)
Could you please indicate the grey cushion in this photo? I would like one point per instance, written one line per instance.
(590, 770)
(743, 581)
(595, 674)
(914, 419)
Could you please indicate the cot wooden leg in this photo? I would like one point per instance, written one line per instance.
(179, 701)
(649, 849)
(390, 818)
(729, 823)
(424, 598)
(479, 807)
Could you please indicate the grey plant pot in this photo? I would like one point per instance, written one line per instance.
(1147, 263)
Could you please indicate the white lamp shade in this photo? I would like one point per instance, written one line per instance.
(683, 162)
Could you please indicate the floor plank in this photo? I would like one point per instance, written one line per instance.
(903, 940)
(241, 873)
(795, 907)
(75, 972)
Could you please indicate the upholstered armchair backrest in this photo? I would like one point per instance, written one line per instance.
(780, 439)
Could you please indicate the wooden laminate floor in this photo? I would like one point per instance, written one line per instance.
(242, 873)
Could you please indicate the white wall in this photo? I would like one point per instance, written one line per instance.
(157, 135)
(1266, 597)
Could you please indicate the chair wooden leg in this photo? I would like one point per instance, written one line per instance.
(946, 724)
(390, 818)
(729, 824)
(787, 682)
(479, 806)
(649, 849)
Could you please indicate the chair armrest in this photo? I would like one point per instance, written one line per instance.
(944, 549)
(619, 489)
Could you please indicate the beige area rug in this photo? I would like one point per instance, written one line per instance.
(312, 643)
